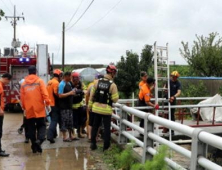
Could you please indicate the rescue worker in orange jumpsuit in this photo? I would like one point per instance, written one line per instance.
(34, 99)
(145, 96)
(52, 88)
(5, 79)
(103, 94)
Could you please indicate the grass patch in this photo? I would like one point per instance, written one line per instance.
(118, 159)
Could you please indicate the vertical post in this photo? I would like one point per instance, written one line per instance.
(148, 127)
(14, 23)
(214, 109)
(52, 60)
(197, 149)
(63, 45)
(122, 127)
(198, 115)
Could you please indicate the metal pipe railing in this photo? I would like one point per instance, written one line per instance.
(149, 136)
(123, 101)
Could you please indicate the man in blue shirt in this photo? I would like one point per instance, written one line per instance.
(65, 103)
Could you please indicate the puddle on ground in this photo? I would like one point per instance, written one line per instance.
(72, 158)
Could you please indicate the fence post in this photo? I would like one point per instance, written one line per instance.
(198, 148)
(122, 127)
(147, 142)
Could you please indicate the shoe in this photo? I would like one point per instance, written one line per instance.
(20, 130)
(3, 154)
(84, 131)
(93, 146)
(80, 135)
(34, 148)
(51, 140)
(26, 140)
(38, 146)
(2, 150)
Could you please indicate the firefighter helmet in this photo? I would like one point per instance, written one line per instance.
(58, 72)
(111, 69)
(175, 73)
(75, 75)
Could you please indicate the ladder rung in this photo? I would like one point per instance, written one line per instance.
(162, 89)
(162, 68)
(162, 78)
(162, 58)
(161, 111)
(161, 47)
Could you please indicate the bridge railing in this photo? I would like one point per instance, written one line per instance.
(199, 145)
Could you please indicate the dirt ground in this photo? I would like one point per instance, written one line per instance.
(61, 155)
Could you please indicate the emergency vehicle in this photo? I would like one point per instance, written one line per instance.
(17, 65)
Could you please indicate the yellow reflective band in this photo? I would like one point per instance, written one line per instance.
(97, 109)
(93, 90)
(114, 96)
(77, 105)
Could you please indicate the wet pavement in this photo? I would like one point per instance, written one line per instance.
(74, 155)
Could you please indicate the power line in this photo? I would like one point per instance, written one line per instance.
(111, 9)
(6, 6)
(11, 3)
(80, 16)
(75, 13)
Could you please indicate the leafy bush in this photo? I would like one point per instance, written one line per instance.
(193, 89)
(125, 159)
(156, 163)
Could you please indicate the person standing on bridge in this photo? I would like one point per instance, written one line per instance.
(65, 103)
(34, 99)
(103, 94)
(52, 88)
(175, 91)
(79, 113)
(5, 79)
(145, 96)
(144, 77)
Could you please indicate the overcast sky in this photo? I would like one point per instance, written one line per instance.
(129, 26)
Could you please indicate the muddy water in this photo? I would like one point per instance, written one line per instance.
(58, 156)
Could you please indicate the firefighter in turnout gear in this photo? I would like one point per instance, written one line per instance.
(103, 94)
(79, 114)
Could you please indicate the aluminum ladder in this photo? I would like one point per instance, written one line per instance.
(162, 77)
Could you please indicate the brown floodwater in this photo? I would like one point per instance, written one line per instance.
(59, 156)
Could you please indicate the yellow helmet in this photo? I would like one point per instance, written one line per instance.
(175, 73)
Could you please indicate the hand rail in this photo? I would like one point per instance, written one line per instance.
(200, 138)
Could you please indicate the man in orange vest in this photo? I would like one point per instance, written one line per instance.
(34, 99)
(145, 96)
(5, 79)
(52, 88)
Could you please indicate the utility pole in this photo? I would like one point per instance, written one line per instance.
(15, 18)
(63, 45)
(52, 59)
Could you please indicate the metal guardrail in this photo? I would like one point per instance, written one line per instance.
(123, 101)
(200, 138)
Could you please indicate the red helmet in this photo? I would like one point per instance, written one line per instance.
(75, 75)
(111, 69)
(58, 72)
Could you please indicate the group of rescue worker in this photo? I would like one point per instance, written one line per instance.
(63, 98)
(147, 85)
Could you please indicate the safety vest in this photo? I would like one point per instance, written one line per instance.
(102, 94)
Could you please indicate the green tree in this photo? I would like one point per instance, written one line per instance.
(146, 58)
(128, 73)
(2, 14)
(205, 58)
